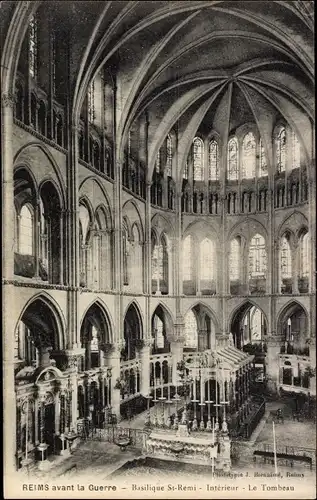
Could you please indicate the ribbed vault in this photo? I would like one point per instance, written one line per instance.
(195, 66)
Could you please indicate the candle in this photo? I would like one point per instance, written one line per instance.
(213, 430)
(154, 382)
(216, 384)
(27, 429)
(195, 388)
(223, 384)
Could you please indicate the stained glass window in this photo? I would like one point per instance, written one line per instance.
(33, 47)
(198, 160)
(158, 162)
(248, 156)
(94, 343)
(263, 160)
(129, 143)
(234, 260)
(96, 259)
(125, 250)
(257, 257)
(26, 231)
(185, 175)
(91, 102)
(233, 159)
(286, 259)
(191, 335)
(213, 160)
(281, 150)
(187, 258)
(295, 151)
(169, 155)
(256, 323)
(163, 258)
(206, 260)
(304, 255)
(159, 260)
(159, 335)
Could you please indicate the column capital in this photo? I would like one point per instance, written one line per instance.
(8, 100)
(274, 340)
(73, 355)
(148, 342)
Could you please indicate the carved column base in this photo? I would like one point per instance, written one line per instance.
(43, 463)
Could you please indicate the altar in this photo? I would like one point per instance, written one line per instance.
(210, 449)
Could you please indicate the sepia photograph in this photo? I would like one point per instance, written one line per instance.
(158, 241)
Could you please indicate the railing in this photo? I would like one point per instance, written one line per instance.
(290, 450)
(290, 349)
(116, 434)
(257, 348)
(244, 428)
(161, 370)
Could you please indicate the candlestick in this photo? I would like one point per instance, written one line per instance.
(202, 423)
(27, 429)
(213, 431)
(194, 387)
(201, 388)
(154, 382)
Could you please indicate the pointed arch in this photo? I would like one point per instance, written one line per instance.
(132, 331)
(206, 309)
(135, 229)
(293, 324)
(291, 306)
(106, 214)
(244, 305)
(133, 304)
(247, 324)
(162, 331)
(22, 167)
(100, 304)
(18, 159)
(54, 308)
(95, 334)
(49, 180)
(96, 180)
(129, 215)
(250, 226)
(166, 311)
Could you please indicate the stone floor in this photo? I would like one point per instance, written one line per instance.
(89, 459)
(100, 459)
(288, 434)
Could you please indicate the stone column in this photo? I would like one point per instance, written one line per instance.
(73, 357)
(176, 347)
(295, 268)
(114, 362)
(9, 438)
(42, 447)
(145, 367)
(272, 362)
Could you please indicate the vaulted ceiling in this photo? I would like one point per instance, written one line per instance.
(197, 65)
